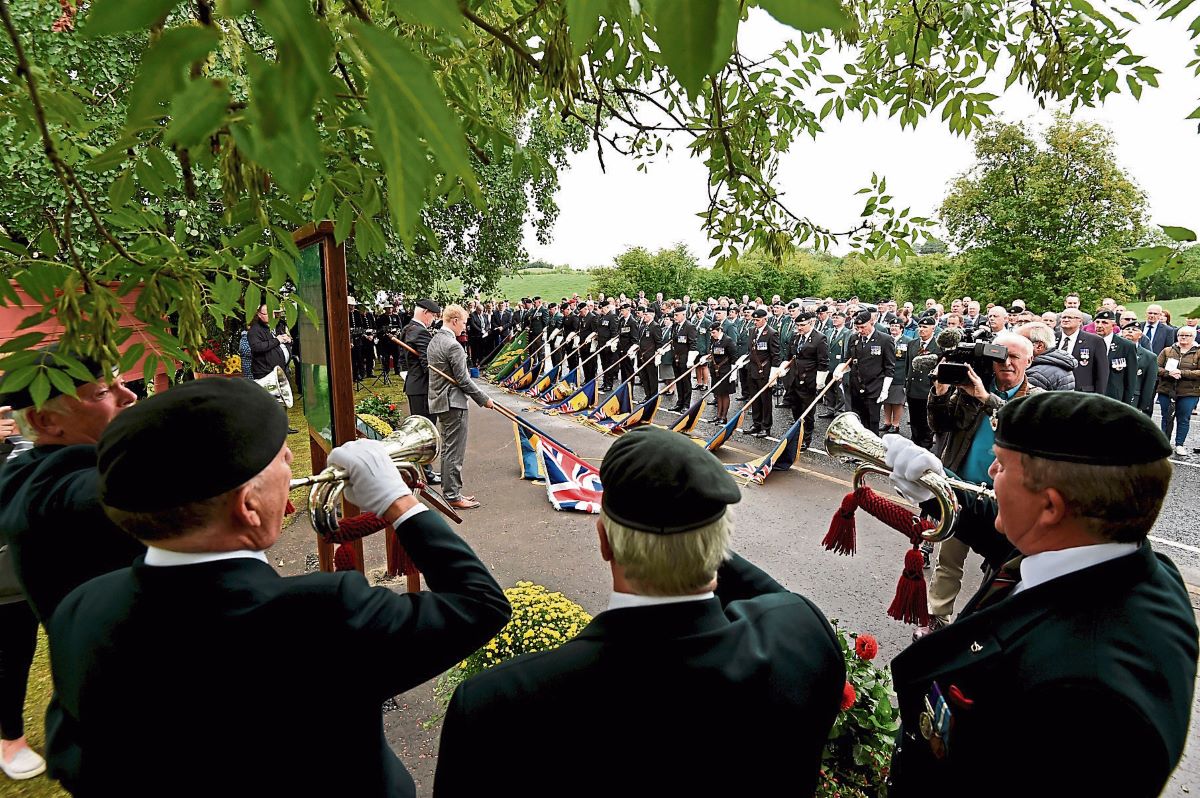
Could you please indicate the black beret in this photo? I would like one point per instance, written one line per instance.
(537, 299)
(626, 306)
(1080, 428)
(862, 317)
(805, 315)
(793, 305)
(1125, 326)
(680, 309)
(761, 313)
(822, 309)
(430, 305)
(229, 428)
(1015, 309)
(839, 313)
(1105, 315)
(661, 482)
(926, 321)
(20, 398)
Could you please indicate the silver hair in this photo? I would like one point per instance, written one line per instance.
(1039, 333)
(670, 565)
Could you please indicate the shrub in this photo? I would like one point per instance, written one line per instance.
(541, 621)
(859, 751)
(380, 408)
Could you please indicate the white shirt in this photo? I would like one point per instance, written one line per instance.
(621, 601)
(1107, 340)
(1070, 339)
(1037, 569)
(164, 558)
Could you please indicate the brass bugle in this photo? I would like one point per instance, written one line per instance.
(415, 443)
(847, 437)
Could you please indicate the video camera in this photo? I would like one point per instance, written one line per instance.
(963, 349)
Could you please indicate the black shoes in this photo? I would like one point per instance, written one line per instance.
(754, 430)
(762, 433)
(292, 431)
(826, 415)
(432, 478)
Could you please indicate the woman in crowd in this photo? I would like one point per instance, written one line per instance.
(18, 641)
(1179, 385)
(893, 403)
(724, 353)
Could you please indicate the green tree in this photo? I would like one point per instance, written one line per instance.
(389, 116)
(669, 270)
(1036, 220)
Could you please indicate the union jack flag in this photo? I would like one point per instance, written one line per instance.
(571, 484)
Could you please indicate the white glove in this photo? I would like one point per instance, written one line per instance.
(374, 481)
(887, 383)
(841, 370)
(691, 361)
(573, 337)
(908, 463)
(822, 377)
(612, 345)
(592, 350)
(774, 374)
(632, 349)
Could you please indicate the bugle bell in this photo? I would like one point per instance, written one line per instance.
(847, 437)
(415, 443)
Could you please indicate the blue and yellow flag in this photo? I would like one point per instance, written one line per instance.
(726, 432)
(583, 398)
(687, 422)
(544, 383)
(562, 389)
(780, 458)
(527, 452)
(642, 414)
(616, 404)
(518, 373)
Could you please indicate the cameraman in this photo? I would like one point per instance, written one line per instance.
(962, 418)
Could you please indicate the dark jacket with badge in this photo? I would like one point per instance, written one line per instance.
(764, 352)
(416, 381)
(628, 332)
(683, 340)
(1078, 686)
(1091, 355)
(1147, 380)
(658, 683)
(874, 360)
(179, 657)
(1122, 369)
(915, 384)
(724, 354)
(58, 536)
(806, 361)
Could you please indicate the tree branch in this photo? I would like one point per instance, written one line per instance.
(501, 36)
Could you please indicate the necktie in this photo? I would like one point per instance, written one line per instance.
(1150, 332)
(1066, 340)
(1008, 577)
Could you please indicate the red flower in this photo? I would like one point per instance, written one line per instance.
(391, 407)
(848, 696)
(209, 356)
(866, 647)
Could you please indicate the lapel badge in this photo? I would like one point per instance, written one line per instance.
(976, 648)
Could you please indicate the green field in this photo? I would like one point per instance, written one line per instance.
(1179, 308)
(550, 286)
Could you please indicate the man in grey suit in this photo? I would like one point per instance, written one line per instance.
(1157, 334)
(448, 401)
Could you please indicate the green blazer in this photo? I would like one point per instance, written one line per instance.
(837, 346)
(1084, 682)
(296, 668)
(656, 682)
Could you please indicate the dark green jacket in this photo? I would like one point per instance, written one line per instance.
(58, 535)
(1083, 684)
(756, 658)
(176, 658)
(1146, 380)
(1122, 370)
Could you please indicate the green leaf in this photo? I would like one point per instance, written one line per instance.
(251, 301)
(693, 37)
(1178, 233)
(405, 102)
(26, 341)
(583, 18)
(121, 190)
(116, 16)
(17, 379)
(149, 179)
(61, 381)
(1146, 253)
(304, 47)
(436, 14)
(196, 112)
(39, 389)
(807, 15)
(160, 74)
(344, 223)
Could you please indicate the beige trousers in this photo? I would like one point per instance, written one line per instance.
(947, 577)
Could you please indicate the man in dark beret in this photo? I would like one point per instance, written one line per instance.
(1122, 358)
(202, 641)
(699, 653)
(50, 516)
(872, 358)
(684, 337)
(808, 353)
(1077, 657)
(765, 357)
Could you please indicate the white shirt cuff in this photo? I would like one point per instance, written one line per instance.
(409, 513)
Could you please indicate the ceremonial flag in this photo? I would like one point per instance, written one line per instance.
(616, 404)
(583, 398)
(507, 358)
(687, 422)
(780, 458)
(571, 484)
(642, 414)
(518, 373)
(544, 383)
(725, 432)
(562, 389)
(528, 459)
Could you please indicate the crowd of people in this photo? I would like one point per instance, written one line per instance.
(152, 580)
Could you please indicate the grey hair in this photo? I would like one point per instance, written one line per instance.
(1039, 333)
(25, 426)
(670, 565)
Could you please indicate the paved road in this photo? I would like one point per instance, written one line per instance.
(779, 527)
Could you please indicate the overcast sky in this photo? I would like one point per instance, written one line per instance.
(602, 213)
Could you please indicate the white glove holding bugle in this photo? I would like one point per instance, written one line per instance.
(374, 483)
(907, 463)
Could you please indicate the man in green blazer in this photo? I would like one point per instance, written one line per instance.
(199, 670)
(699, 651)
(839, 336)
(1071, 671)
